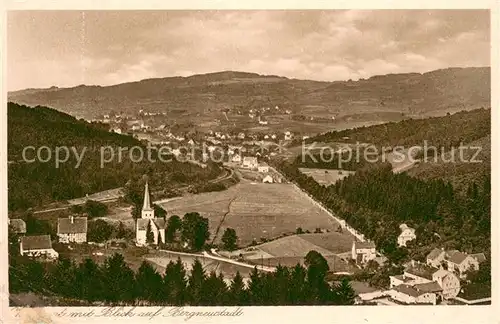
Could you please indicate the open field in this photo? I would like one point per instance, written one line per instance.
(255, 211)
(326, 177)
(290, 250)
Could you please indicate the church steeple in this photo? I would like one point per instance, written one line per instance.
(147, 204)
(147, 211)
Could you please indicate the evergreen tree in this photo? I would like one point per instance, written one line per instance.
(195, 283)
(175, 284)
(214, 290)
(148, 283)
(255, 288)
(149, 234)
(174, 224)
(89, 281)
(229, 238)
(118, 279)
(237, 292)
(344, 294)
(297, 286)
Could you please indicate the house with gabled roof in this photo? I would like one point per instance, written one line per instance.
(448, 281)
(435, 257)
(411, 295)
(37, 246)
(362, 252)
(460, 262)
(72, 229)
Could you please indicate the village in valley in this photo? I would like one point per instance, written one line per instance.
(267, 221)
(243, 189)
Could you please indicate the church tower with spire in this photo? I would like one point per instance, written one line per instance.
(147, 211)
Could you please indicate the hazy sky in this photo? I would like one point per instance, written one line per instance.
(69, 48)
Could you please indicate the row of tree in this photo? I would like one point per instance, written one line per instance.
(114, 282)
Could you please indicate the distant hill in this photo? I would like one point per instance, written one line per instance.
(36, 183)
(205, 96)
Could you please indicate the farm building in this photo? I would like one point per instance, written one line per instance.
(268, 179)
(72, 229)
(37, 246)
(288, 136)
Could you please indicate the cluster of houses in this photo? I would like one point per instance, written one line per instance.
(435, 280)
(69, 230)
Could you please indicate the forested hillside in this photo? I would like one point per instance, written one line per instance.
(33, 184)
(469, 129)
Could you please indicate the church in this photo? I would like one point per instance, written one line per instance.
(156, 224)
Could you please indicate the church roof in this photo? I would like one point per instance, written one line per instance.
(142, 224)
(160, 222)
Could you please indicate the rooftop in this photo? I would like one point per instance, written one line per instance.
(408, 290)
(421, 270)
(434, 254)
(36, 242)
(456, 257)
(65, 226)
(428, 287)
(364, 245)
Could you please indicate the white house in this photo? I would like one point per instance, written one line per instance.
(362, 252)
(37, 246)
(288, 136)
(250, 162)
(241, 135)
(411, 295)
(236, 158)
(263, 168)
(460, 262)
(117, 130)
(148, 221)
(448, 281)
(267, 179)
(407, 234)
(72, 229)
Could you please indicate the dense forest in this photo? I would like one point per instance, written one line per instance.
(114, 283)
(37, 183)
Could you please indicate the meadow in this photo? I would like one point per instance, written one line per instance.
(255, 211)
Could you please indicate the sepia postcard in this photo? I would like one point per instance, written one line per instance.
(198, 162)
